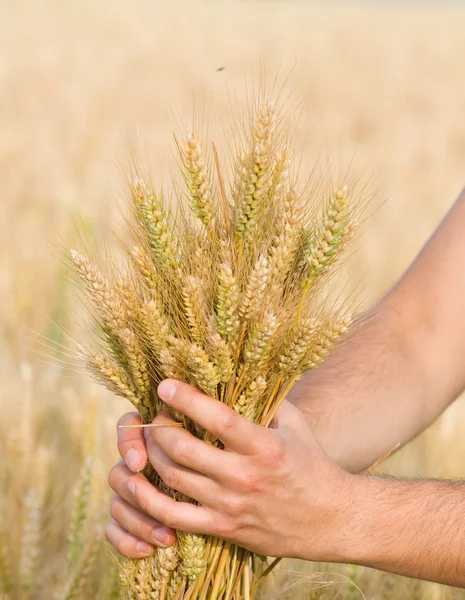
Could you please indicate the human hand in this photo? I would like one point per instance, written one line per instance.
(272, 491)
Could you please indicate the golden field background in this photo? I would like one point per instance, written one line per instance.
(81, 83)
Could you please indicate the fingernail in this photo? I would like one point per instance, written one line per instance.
(144, 548)
(131, 487)
(161, 536)
(166, 389)
(147, 432)
(132, 459)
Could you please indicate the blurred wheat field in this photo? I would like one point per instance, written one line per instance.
(380, 85)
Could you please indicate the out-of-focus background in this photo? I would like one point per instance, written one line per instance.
(85, 84)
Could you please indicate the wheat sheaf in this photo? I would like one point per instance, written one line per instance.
(226, 293)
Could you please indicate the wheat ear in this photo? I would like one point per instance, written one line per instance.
(154, 220)
(79, 510)
(198, 182)
(331, 235)
(254, 171)
(80, 579)
(30, 540)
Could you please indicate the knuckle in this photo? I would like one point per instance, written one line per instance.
(182, 451)
(171, 519)
(226, 528)
(235, 506)
(251, 480)
(226, 421)
(171, 476)
(276, 452)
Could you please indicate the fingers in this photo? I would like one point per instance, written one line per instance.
(140, 525)
(185, 449)
(223, 422)
(184, 480)
(141, 494)
(131, 443)
(125, 543)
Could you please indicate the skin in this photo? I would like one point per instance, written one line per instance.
(400, 367)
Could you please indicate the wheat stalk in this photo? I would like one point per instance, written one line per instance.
(227, 299)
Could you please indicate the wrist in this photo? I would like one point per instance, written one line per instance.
(349, 508)
(336, 532)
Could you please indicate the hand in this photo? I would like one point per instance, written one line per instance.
(272, 491)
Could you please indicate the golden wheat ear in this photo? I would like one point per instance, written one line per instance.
(230, 296)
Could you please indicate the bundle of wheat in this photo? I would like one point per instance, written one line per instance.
(226, 296)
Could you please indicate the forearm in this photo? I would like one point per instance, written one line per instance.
(371, 394)
(403, 362)
(412, 528)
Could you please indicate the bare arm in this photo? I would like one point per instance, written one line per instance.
(404, 362)
(413, 528)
